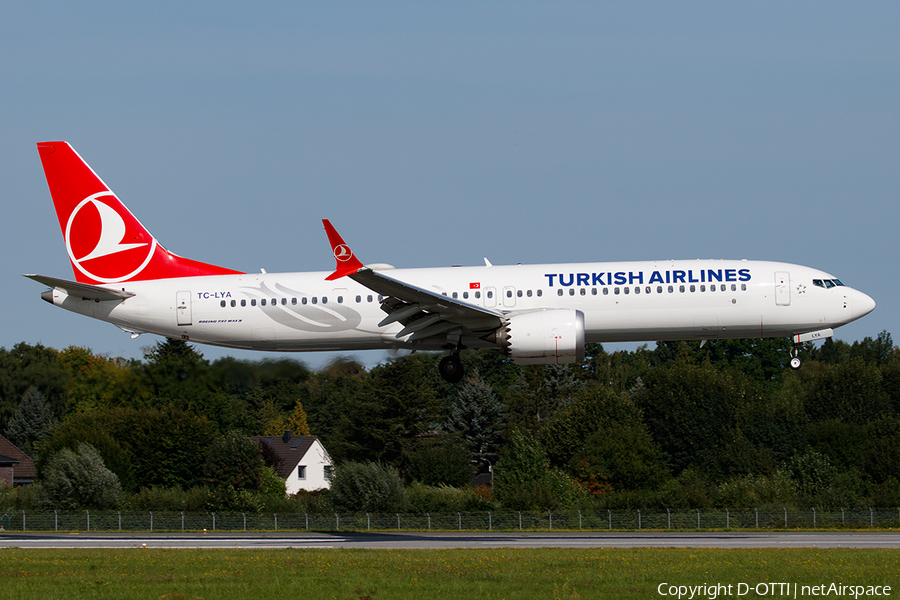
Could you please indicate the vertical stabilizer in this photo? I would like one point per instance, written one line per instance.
(105, 242)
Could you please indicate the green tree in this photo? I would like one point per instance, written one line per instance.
(477, 415)
(393, 406)
(233, 461)
(79, 479)
(31, 421)
(24, 366)
(440, 460)
(691, 410)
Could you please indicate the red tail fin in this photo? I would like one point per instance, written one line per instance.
(105, 242)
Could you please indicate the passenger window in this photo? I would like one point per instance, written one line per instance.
(648, 289)
(455, 295)
(233, 303)
(702, 288)
(340, 299)
(637, 290)
(583, 291)
(358, 299)
(284, 301)
(478, 294)
(294, 301)
(303, 301)
(509, 293)
(540, 293)
(733, 287)
(324, 299)
(743, 287)
(380, 298)
(222, 304)
(693, 288)
(606, 291)
(571, 291)
(253, 302)
(490, 294)
(659, 289)
(529, 293)
(681, 288)
(559, 292)
(627, 290)
(519, 293)
(315, 300)
(722, 288)
(616, 291)
(262, 302)
(465, 295)
(672, 289)
(369, 298)
(243, 303)
(593, 291)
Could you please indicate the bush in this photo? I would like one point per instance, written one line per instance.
(366, 487)
(174, 499)
(524, 480)
(80, 479)
(759, 491)
(421, 498)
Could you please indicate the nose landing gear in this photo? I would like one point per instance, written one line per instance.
(795, 363)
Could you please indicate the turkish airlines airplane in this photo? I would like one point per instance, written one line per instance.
(536, 314)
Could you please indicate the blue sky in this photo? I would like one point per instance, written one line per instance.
(440, 133)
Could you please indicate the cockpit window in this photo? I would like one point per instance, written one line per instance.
(826, 283)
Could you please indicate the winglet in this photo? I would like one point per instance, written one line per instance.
(347, 263)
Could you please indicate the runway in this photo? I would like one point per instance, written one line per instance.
(433, 541)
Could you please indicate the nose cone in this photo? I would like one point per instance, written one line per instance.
(861, 304)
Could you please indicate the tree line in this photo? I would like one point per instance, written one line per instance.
(675, 426)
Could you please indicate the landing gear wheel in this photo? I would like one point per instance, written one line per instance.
(796, 363)
(451, 368)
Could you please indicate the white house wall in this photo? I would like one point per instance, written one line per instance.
(315, 460)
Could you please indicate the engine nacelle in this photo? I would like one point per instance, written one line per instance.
(542, 337)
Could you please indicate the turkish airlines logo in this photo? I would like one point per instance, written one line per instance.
(95, 240)
(342, 253)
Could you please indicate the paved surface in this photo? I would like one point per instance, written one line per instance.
(424, 540)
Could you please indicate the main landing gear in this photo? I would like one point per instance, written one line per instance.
(451, 368)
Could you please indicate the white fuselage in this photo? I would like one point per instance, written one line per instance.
(623, 301)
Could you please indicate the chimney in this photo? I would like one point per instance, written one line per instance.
(286, 437)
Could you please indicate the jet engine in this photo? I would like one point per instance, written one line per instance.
(542, 337)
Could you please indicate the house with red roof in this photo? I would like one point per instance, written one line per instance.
(16, 467)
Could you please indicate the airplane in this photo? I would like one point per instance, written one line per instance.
(535, 314)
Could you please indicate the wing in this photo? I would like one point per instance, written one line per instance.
(85, 291)
(428, 317)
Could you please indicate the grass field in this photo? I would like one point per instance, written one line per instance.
(443, 574)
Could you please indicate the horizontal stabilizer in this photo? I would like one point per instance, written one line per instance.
(85, 291)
